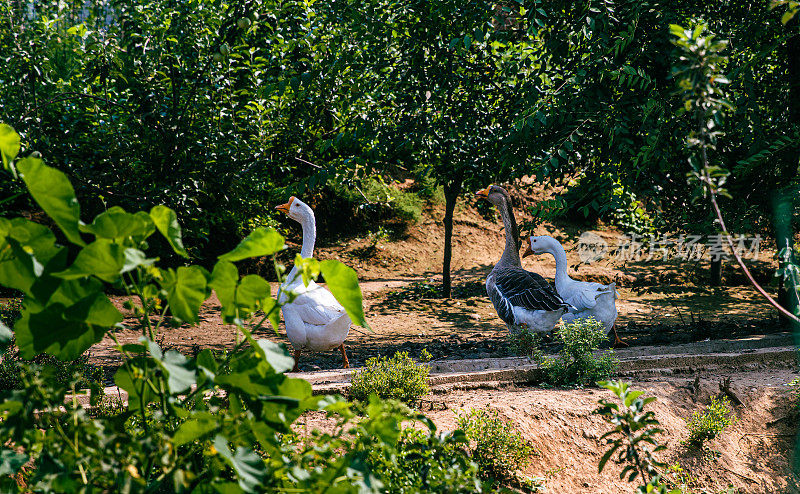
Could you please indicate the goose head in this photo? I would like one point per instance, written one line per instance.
(296, 210)
(494, 194)
(540, 245)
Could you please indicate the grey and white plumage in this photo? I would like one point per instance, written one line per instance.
(521, 298)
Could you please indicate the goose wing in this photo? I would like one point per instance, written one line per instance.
(317, 306)
(516, 287)
(586, 297)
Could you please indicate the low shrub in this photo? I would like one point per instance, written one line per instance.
(422, 461)
(577, 362)
(710, 422)
(499, 448)
(398, 377)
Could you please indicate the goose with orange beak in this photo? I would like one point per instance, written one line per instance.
(315, 320)
(522, 299)
(586, 299)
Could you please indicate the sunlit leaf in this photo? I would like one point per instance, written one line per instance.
(342, 281)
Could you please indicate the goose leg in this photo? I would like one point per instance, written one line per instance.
(296, 360)
(617, 342)
(344, 357)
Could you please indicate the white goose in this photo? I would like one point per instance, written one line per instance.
(588, 299)
(315, 321)
(521, 298)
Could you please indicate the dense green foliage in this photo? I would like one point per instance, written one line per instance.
(710, 422)
(210, 423)
(579, 361)
(497, 446)
(398, 377)
(424, 462)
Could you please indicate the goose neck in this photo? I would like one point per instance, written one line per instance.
(511, 251)
(562, 278)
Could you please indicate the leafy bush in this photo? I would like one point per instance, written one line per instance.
(577, 362)
(391, 378)
(710, 422)
(425, 462)
(525, 343)
(499, 448)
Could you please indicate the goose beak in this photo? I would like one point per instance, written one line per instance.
(483, 193)
(284, 208)
(528, 251)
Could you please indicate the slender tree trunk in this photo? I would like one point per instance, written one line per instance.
(451, 192)
(782, 203)
(716, 272)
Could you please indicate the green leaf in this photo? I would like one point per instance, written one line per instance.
(166, 222)
(186, 289)
(116, 224)
(178, 368)
(249, 467)
(105, 260)
(224, 278)
(277, 355)
(9, 144)
(342, 281)
(11, 461)
(198, 426)
(261, 242)
(65, 332)
(251, 293)
(51, 189)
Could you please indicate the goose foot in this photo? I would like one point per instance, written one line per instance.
(296, 360)
(344, 357)
(617, 342)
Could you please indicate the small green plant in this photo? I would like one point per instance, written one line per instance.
(577, 362)
(710, 422)
(795, 387)
(398, 377)
(425, 355)
(632, 439)
(499, 448)
(525, 343)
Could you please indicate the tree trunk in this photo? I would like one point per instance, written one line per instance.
(782, 203)
(451, 192)
(716, 272)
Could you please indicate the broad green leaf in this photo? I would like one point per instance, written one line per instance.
(249, 467)
(261, 242)
(198, 426)
(19, 269)
(251, 293)
(34, 238)
(9, 144)
(273, 312)
(178, 368)
(166, 222)
(277, 355)
(342, 281)
(117, 224)
(223, 281)
(186, 288)
(51, 189)
(58, 331)
(105, 260)
(11, 461)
